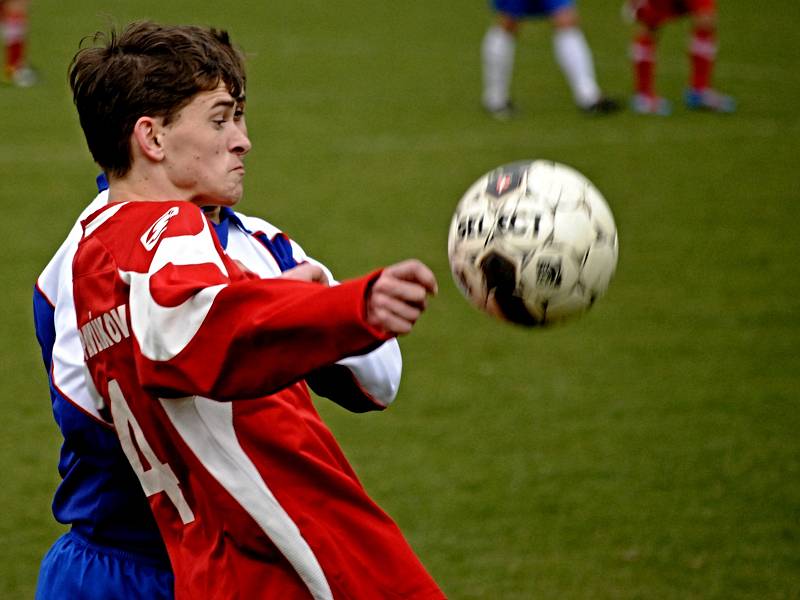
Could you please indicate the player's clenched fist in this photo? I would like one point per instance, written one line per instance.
(399, 296)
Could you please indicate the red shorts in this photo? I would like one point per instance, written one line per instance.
(654, 13)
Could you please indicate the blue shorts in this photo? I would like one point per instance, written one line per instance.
(74, 567)
(530, 8)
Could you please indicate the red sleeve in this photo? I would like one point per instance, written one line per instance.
(261, 335)
(198, 324)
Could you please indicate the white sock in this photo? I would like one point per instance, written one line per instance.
(575, 59)
(497, 53)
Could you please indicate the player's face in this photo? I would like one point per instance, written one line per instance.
(204, 148)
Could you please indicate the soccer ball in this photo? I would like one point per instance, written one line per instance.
(533, 242)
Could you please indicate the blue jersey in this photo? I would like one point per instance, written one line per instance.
(530, 8)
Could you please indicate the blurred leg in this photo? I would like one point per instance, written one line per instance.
(574, 57)
(497, 54)
(702, 55)
(15, 33)
(643, 48)
(643, 56)
(702, 50)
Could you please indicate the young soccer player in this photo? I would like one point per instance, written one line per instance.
(205, 387)
(14, 26)
(569, 44)
(651, 15)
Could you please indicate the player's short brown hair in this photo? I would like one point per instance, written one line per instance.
(146, 70)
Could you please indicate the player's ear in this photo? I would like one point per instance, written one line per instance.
(147, 138)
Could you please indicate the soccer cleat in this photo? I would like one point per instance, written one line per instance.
(504, 112)
(642, 104)
(603, 106)
(710, 100)
(22, 77)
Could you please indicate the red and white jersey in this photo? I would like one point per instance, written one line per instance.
(98, 494)
(201, 367)
(370, 381)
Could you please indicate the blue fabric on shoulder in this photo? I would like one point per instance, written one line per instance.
(280, 247)
(102, 182)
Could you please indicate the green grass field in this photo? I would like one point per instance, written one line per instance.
(648, 450)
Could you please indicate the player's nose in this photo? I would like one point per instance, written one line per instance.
(240, 144)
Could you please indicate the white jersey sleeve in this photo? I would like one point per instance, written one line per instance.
(69, 373)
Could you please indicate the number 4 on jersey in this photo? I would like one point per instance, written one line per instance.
(159, 477)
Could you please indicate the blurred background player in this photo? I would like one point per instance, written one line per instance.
(569, 45)
(14, 26)
(651, 15)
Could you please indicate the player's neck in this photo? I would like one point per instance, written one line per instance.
(119, 191)
(142, 187)
(151, 186)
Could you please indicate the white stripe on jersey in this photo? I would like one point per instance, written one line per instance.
(101, 218)
(188, 250)
(163, 332)
(70, 374)
(207, 428)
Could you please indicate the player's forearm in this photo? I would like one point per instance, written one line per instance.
(261, 335)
